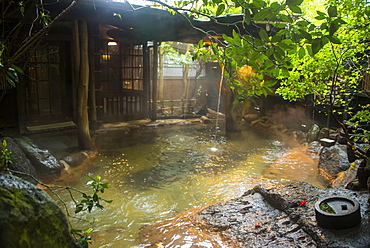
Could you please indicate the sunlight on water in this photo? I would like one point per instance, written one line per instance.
(156, 173)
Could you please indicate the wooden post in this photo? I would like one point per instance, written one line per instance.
(154, 80)
(75, 50)
(92, 100)
(161, 73)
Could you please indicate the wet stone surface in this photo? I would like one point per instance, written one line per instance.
(253, 222)
(284, 216)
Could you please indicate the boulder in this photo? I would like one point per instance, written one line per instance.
(201, 110)
(20, 163)
(77, 158)
(343, 179)
(268, 215)
(333, 160)
(29, 217)
(250, 117)
(313, 133)
(324, 133)
(46, 164)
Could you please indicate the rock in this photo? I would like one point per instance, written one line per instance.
(343, 179)
(300, 136)
(29, 217)
(250, 117)
(205, 120)
(46, 164)
(20, 163)
(77, 158)
(268, 215)
(201, 110)
(314, 149)
(333, 160)
(313, 133)
(324, 133)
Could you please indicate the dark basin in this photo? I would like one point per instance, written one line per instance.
(337, 212)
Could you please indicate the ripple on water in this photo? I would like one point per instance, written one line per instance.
(155, 174)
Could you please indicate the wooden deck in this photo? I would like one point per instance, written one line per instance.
(51, 127)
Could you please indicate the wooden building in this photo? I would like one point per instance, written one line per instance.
(121, 62)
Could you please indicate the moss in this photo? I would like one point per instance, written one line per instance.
(30, 218)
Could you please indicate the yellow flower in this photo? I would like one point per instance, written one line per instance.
(246, 73)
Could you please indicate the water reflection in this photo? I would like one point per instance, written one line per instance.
(156, 173)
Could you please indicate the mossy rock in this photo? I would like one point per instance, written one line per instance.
(29, 217)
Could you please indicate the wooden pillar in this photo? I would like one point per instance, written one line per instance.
(75, 50)
(161, 73)
(146, 78)
(154, 81)
(92, 99)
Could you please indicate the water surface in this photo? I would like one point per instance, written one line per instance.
(156, 173)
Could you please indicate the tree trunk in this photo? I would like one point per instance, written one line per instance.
(185, 81)
(81, 72)
(228, 100)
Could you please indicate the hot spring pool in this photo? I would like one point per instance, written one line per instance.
(155, 173)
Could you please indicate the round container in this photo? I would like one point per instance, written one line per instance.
(337, 212)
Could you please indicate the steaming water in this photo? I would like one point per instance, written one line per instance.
(155, 173)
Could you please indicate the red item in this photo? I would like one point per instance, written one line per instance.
(257, 224)
(302, 203)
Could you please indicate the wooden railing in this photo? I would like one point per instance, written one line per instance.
(176, 107)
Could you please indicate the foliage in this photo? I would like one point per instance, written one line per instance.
(310, 52)
(5, 156)
(360, 122)
(14, 42)
(308, 47)
(89, 201)
(326, 208)
(83, 237)
(175, 56)
(86, 204)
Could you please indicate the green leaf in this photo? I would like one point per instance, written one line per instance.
(294, 2)
(261, 15)
(118, 15)
(286, 18)
(276, 38)
(301, 52)
(220, 9)
(269, 52)
(95, 197)
(332, 11)
(78, 209)
(269, 83)
(317, 45)
(333, 39)
(320, 17)
(258, 3)
(263, 34)
(333, 28)
(247, 16)
(279, 24)
(305, 34)
(255, 56)
(295, 9)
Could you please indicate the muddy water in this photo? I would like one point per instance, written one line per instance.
(156, 173)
